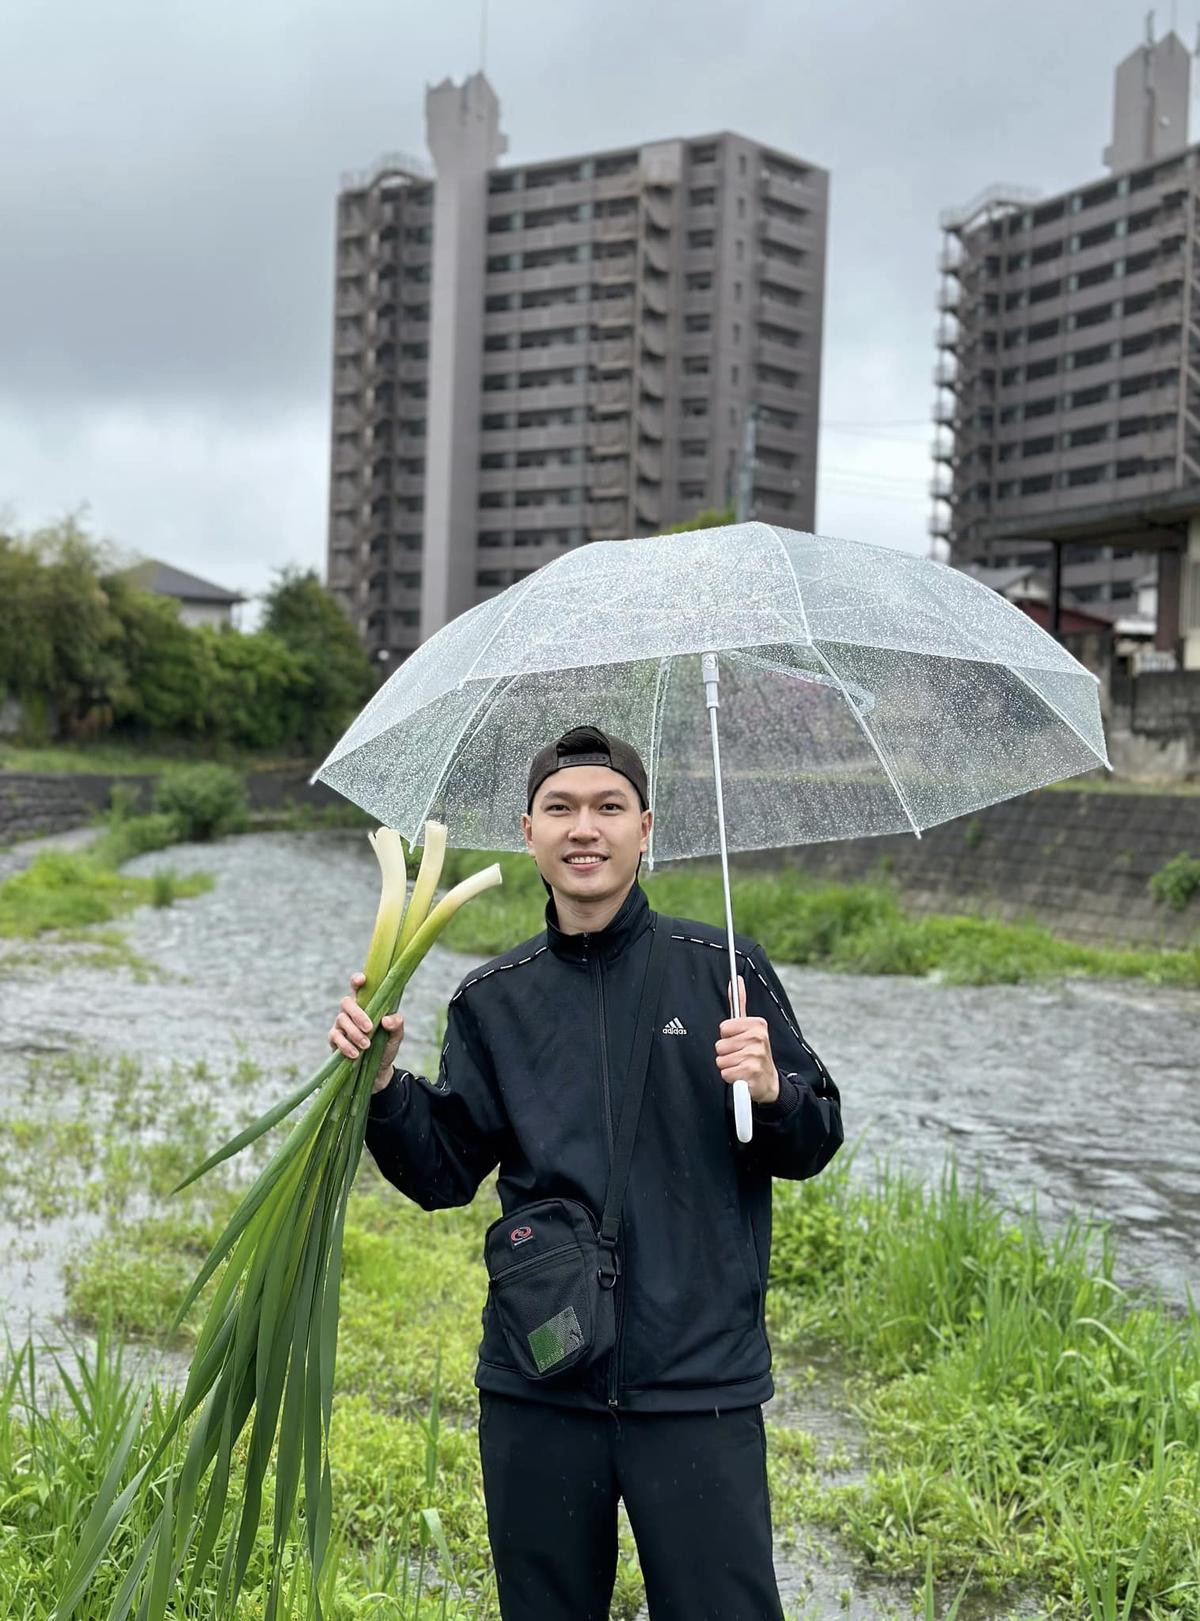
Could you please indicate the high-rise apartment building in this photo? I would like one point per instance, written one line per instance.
(528, 358)
(1068, 403)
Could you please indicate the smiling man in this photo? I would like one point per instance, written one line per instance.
(532, 1077)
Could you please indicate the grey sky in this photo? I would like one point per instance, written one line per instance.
(168, 175)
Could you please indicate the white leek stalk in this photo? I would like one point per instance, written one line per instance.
(389, 852)
(432, 858)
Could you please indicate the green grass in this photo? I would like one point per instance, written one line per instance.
(111, 758)
(65, 891)
(1030, 1426)
(849, 928)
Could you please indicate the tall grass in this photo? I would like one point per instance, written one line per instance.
(849, 928)
(62, 1419)
(1027, 1415)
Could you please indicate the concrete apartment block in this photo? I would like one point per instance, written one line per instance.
(529, 358)
(1068, 383)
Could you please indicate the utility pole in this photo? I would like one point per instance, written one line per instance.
(745, 484)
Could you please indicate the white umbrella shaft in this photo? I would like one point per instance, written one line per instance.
(743, 1119)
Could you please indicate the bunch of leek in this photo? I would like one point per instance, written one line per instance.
(265, 1353)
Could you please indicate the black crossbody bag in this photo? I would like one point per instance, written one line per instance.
(552, 1268)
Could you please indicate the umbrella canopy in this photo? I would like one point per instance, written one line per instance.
(864, 690)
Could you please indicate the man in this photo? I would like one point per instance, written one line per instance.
(531, 1079)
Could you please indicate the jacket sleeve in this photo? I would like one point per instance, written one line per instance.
(436, 1141)
(798, 1134)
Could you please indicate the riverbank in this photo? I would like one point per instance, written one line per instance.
(854, 928)
(1078, 1092)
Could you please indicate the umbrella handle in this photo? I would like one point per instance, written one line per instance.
(711, 675)
(742, 1117)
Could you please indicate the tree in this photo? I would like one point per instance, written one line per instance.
(712, 518)
(308, 619)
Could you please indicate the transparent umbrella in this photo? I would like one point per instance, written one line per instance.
(865, 691)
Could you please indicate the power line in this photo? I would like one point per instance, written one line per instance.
(880, 422)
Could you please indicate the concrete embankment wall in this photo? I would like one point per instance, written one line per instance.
(33, 803)
(1079, 862)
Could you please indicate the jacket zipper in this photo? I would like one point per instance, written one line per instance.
(618, 1303)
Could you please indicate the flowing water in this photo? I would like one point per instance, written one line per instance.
(1082, 1096)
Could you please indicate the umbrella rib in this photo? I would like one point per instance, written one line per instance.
(660, 689)
(880, 751)
(1024, 679)
(471, 723)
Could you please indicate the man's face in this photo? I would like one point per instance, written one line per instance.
(587, 831)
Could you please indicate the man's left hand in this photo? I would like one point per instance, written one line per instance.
(744, 1054)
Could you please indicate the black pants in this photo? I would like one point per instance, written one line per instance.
(694, 1487)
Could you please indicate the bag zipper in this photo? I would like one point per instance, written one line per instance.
(534, 1260)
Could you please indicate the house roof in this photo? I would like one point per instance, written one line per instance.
(1003, 579)
(166, 581)
(1072, 618)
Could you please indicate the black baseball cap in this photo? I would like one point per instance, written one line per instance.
(588, 745)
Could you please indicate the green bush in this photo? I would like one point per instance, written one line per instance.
(1175, 883)
(205, 800)
(125, 839)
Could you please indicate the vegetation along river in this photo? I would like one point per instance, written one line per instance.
(1079, 1095)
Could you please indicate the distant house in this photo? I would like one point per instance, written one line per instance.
(200, 602)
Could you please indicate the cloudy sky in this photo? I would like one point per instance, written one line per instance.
(168, 175)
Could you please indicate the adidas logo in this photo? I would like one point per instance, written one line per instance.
(673, 1028)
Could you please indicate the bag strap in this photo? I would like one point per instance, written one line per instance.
(635, 1083)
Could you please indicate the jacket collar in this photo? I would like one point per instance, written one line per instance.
(631, 921)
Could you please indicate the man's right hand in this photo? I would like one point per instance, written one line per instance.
(351, 1032)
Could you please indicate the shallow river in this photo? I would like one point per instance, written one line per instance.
(1081, 1094)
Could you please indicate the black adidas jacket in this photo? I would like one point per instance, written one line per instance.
(531, 1079)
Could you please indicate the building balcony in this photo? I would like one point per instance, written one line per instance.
(620, 267)
(618, 228)
(611, 311)
(569, 234)
(942, 449)
(650, 420)
(799, 193)
(784, 356)
(613, 352)
(548, 278)
(787, 234)
(610, 435)
(610, 474)
(780, 399)
(555, 477)
(654, 298)
(649, 464)
(658, 256)
(949, 299)
(659, 213)
(612, 393)
(608, 521)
